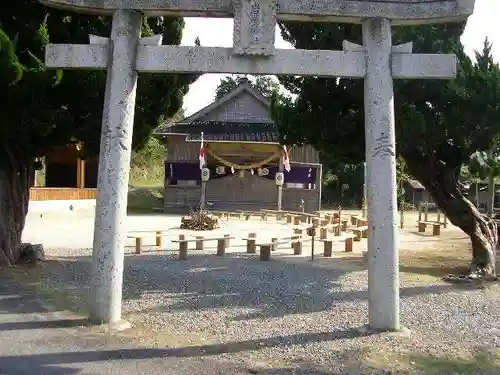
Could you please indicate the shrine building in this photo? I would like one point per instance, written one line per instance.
(243, 155)
(69, 181)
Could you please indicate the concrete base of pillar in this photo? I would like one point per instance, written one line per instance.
(367, 330)
(121, 325)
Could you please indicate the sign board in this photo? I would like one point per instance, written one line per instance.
(205, 174)
(351, 11)
(280, 178)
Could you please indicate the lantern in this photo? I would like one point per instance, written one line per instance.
(220, 170)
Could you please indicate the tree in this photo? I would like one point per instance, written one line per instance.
(44, 109)
(439, 124)
(266, 85)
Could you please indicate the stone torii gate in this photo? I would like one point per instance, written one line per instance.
(125, 54)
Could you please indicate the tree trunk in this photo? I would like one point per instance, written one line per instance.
(491, 196)
(14, 199)
(444, 187)
(477, 194)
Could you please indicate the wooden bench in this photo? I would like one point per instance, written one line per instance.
(293, 219)
(304, 216)
(362, 223)
(323, 230)
(280, 215)
(220, 214)
(222, 244)
(247, 215)
(436, 227)
(296, 241)
(358, 221)
(139, 235)
(265, 249)
(227, 214)
(360, 232)
(328, 244)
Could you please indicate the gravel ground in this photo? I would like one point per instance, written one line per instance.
(290, 313)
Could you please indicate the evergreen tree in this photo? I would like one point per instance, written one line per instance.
(44, 109)
(439, 124)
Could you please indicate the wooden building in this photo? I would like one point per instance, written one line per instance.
(243, 155)
(67, 176)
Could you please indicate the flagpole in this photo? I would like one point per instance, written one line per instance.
(280, 187)
(203, 183)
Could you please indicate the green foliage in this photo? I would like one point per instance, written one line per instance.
(47, 108)
(484, 164)
(11, 70)
(266, 85)
(439, 123)
(147, 164)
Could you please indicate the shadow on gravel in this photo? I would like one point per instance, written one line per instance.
(44, 324)
(482, 362)
(51, 363)
(277, 288)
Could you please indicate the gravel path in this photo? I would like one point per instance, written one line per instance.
(289, 313)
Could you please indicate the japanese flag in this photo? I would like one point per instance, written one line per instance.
(286, 160)
(202, 153)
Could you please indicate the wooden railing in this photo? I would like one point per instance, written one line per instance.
(57, 194)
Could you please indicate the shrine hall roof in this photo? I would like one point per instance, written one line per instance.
(226, 131)
(242, 126)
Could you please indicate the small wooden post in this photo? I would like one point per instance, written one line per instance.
(274, 247)
(439, 217)
(336, 229)
(420, 211)
(328, 247)
(297, 232)
(297, 245)
(421, 227)
(312, 246)
(226, 236)
(265, 252)
(323, 233)
(221, 246)
(426, 213)
(251, 243)
(445, 221)
(199, 244)
(183, 247)
(138, 245)
(401, 217)
(348, 245)
(343, 224)
(159, 238)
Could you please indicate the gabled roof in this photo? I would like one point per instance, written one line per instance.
(415, 184)
(192, 124)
